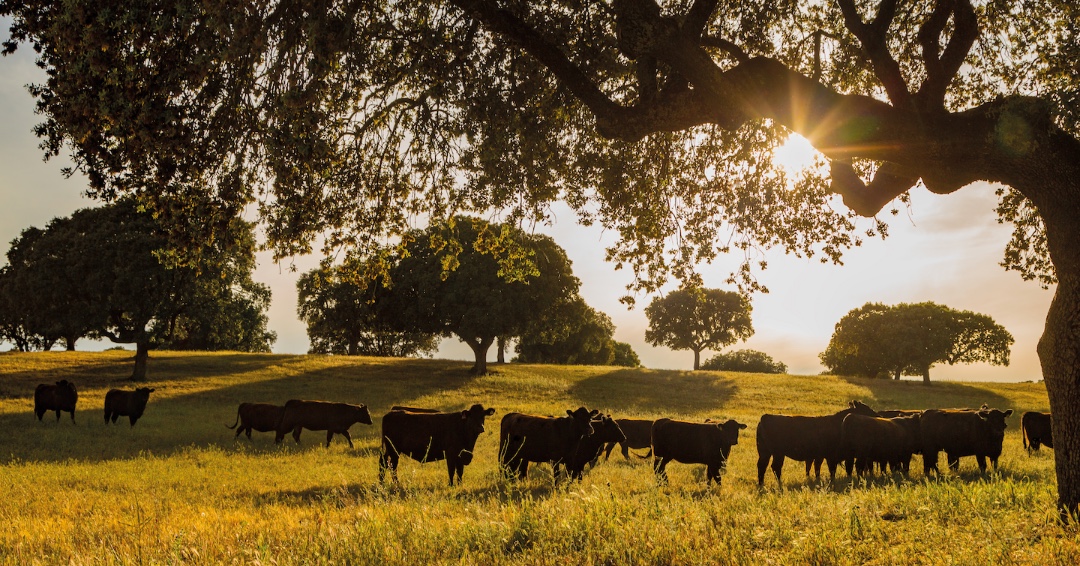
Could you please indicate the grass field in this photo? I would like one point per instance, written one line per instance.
(177, 488)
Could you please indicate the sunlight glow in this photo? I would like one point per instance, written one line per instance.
(795, 155)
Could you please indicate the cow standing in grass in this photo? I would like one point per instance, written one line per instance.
(706, 443)
(888, 442)
(59, 397)
(262, 417)
(1035, 427)
(638, 434)
(962, 433)
(605, 430)
(428, 436)
(130, 404)
(530, 438)
(334, 418)
(804, 438)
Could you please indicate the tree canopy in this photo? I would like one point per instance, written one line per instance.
(572, 332)
(654, 118)
(909, 339)
(694, 318)
(744, 360)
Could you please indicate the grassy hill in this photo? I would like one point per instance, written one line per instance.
(177, 488)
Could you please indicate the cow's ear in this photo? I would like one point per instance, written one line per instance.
(594, 412)
(1008, 412)
(741, 426)
(490, 411)
(151, 390)
(569, 412)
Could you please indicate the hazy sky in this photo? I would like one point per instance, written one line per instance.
(946, 250)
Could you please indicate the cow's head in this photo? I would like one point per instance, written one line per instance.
(859, 408)
(995, 420)
(142, 394)
(582, 419)
(605, 429)
(729, 431)
(362, 414)
(474, 416)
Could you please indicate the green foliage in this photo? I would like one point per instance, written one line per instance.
(696, 319)
(751, 361)
(178, 488)
(568, 332)
(909, 339)
(625, 356)
(347, 314)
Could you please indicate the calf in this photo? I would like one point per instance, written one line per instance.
(706, 443)
(429, 436)
(334, 418)
(1035, 427)
(262, 417)
(530, 438)
(605, 430)
(888, 442)
(638, 434)
(962, 433)
(59, 397)
(130, 404)
(808, 439)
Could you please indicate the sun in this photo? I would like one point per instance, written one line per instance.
(795, 155)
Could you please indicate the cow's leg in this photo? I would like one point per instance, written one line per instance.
(115, 417)
(660, 469)
(817, 468)
(106, 416)
(1035, 444)
(778, 468)
(132, 419)
(626, 451)
(523, 468)
(247, 432)
(73, 416)
(981, 459)
(296, 434)
(929, 462)
(762, 465)
(712, 473)
(58, 415)
(809, 464)
(451, 468)
(954, 463)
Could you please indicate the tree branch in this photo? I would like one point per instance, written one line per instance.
(873, 38)
(697, 17)
(735, 51)
(867, 200)
(941, 70)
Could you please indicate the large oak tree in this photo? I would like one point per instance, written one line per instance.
(355, 117)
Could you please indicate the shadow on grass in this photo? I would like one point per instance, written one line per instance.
(656, 393)
(906, 394)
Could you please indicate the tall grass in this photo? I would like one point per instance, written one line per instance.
(177, 488)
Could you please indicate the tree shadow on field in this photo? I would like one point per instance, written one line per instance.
(906, 394)
(180, 417)
(656, 393)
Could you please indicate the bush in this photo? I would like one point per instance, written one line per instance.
(745, 360)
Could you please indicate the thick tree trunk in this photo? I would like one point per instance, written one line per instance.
(500, 356)
(926, 375)
(1059, 354)
(480, 347)
(697, 360)
(142, 353)
(896, 375)
(69, 343)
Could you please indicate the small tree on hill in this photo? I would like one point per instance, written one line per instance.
(570, 332)
(696, 319)
(751, 361)
(909, 339)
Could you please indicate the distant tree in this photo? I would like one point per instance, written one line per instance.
(568, 332)
(694, 318)
(346, 314)
(13, 328)
(477, 281)
(625, 356)
(744, 360)
(909, 339)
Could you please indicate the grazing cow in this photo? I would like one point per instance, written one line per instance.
(807, 439)
(889, 441)
(130, 404)
(262, 417)
(706, 443)
(962, 433)
(530, 438)
(1035, 427)
(428, 436)
(638, 434)
(334, 418)
(59, 397)
(605, 430)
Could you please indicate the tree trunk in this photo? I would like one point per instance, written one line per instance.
(69, 343)
(896, 374)
(697, 360)
(142, 353)
(1059, 354)
(480, 349)
(926, 375)
(500, 357)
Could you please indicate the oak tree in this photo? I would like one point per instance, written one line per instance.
(696, 319)
(657, 119)
(751, 361)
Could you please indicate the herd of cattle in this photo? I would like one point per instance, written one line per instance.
(857, 436)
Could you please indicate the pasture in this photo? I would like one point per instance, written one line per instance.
(177, 488)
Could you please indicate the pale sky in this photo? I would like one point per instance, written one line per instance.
(947, 250)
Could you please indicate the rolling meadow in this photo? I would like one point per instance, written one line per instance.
(177, 488)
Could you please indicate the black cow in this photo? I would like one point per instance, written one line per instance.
(706, 443)
(638, 434)
(605, 430)
(262, 417)
(130, 404)
(962, 433)
(1035, 426)
(530, 438)
(429, 436)
(888, 442)
(803, 438)
(59, 397)
(334, 418)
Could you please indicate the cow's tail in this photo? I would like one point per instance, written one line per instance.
(1024, 436)
(237, 420)
(646, 456)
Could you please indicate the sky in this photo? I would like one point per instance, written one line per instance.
(944, 249)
